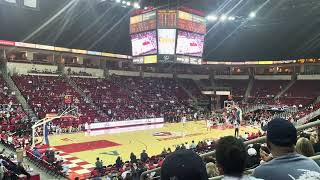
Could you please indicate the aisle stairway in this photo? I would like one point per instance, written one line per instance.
(249, 88)
(293, 80)
(186, 91)
(199, 84)
(82, 93)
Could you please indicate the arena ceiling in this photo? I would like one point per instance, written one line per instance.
(281, 29)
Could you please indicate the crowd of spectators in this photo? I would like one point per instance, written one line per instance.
(11, 169)
(51, 159)
(283, 156)
(124, 98)
(6, 95)
(134, 167)
(46, 94)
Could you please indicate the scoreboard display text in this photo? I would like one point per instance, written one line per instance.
(143, 22)
(167, 18)
(191, 22)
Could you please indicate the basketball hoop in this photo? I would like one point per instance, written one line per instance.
(69, 112)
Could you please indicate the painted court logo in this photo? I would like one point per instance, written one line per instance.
(162, 134)
(66, 139)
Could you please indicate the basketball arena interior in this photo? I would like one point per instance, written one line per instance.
(159, 89)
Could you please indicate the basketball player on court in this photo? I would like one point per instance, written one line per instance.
(238, 119)
(183, 120)
(236, 130)
(209, 123)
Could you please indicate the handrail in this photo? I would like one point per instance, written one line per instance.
(257, 140)
(309, 116)
(316, 157)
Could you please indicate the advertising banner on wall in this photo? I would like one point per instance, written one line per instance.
(166, 58)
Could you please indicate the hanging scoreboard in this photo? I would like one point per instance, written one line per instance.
(167, 36)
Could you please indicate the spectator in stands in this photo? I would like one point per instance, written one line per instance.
(231, 158)
(99, 165)
(304, 147)
(144, 156)
(21, 170)
(182, 146)
(2, 171)
(164, 151)
(58, 165)
(50, 155)
(265, 154)
(192, 145)
(36, 152)
(253, 158)
(58, 157)
(2, 151)
(133, 158)
(183, 165)
(286, 163)
(65, 168)
(314, 138)
(119, 162)
(212, 170)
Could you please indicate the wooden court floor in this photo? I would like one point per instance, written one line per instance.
(88, 148)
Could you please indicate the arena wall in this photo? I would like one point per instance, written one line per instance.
(24, 68)
(158, 75)
(236, 77)
(272, 77)
(124, 73)
(308, 77)
(93, 71)
(192, 76)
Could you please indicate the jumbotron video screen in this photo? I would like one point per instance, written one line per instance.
(144, 43)
(167, 36)
(190, 44)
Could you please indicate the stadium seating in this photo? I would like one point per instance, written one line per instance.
(6, 96)
(206, 82)
(191, 86)
(154, 89)
(301, 93)
(45, 94)
(112, 99)
(238, 87)
(306, 88)
(132, 97)
(267, 88)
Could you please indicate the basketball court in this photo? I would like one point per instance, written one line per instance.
(109, 146)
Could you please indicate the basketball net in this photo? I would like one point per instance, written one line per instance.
(36, 137)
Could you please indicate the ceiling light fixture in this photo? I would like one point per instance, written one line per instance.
(136, 5)
(212, 18)
(252, 15)
(223, 18)
(231, 18)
